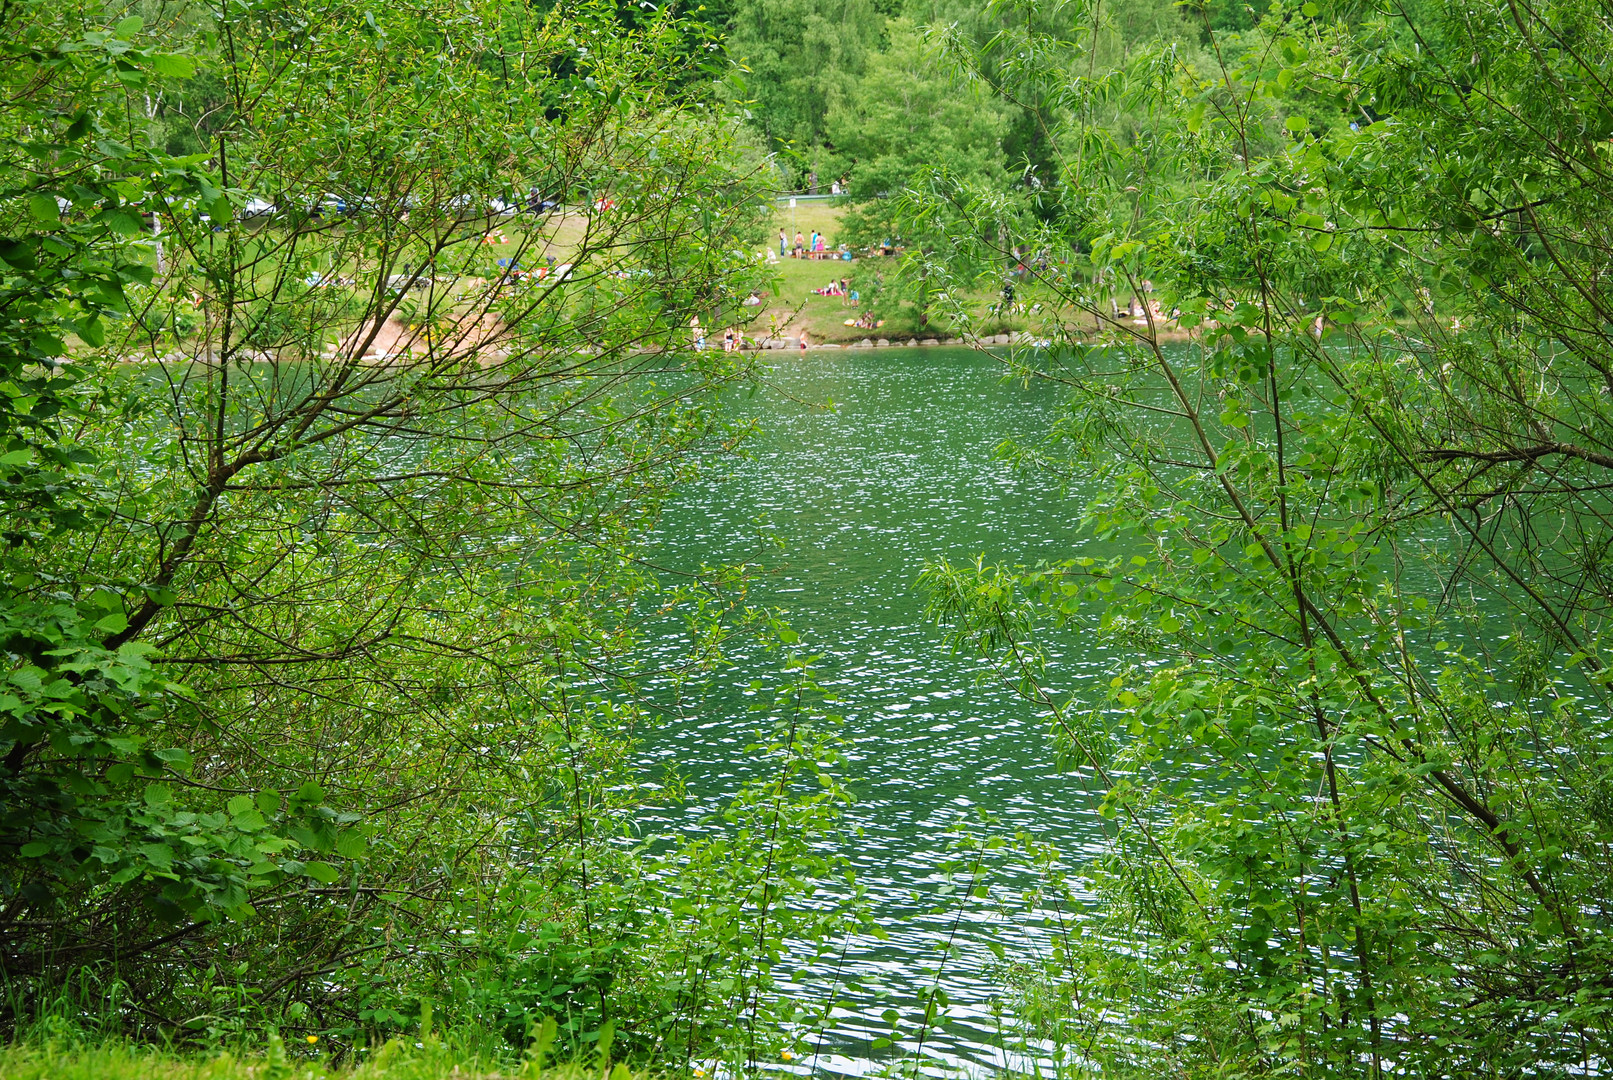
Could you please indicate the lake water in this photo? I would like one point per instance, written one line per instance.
(901, 470)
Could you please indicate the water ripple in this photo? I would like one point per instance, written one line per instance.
(902, 470)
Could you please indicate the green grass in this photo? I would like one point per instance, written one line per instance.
(794, 307)
(823, 216)
(395, 1061)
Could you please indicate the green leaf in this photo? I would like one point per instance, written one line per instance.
(1297, 124)
(173, 65)
(123, 222)
(238, 805)
(127, 28)
(322, 872)
(269, 802)
(162, 597)
(1310, 11)
(45, 209)
(34, 849)
(18, 254)
(114, 623)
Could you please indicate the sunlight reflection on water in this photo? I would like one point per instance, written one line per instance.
(902, 471)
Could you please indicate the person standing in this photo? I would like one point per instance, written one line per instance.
(813, 247)
(696, 334)
(800, 243)
(781, 243)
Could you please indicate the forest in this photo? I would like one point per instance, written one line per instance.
(438, 643)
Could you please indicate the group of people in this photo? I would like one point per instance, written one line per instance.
(815, 247)
(839, 288)
(732, 340)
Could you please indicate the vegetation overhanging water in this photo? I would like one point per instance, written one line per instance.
(867, 465)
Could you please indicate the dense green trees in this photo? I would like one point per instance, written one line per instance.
(322, 524)
(904, 119)
(851, 90)
(1353, 536)
(799, 58)
(322, 573)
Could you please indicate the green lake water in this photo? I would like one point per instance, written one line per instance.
(900, 471)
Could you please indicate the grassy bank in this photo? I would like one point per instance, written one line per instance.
(395, 1061)
(795, 307)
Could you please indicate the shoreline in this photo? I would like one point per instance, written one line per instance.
(792, 342)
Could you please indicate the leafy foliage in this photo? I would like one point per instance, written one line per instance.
(1350, 530)
(323, 578)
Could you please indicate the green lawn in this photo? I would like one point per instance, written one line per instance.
(795, 307)
(395, 1061)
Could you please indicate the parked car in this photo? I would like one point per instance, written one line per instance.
(327, 205)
